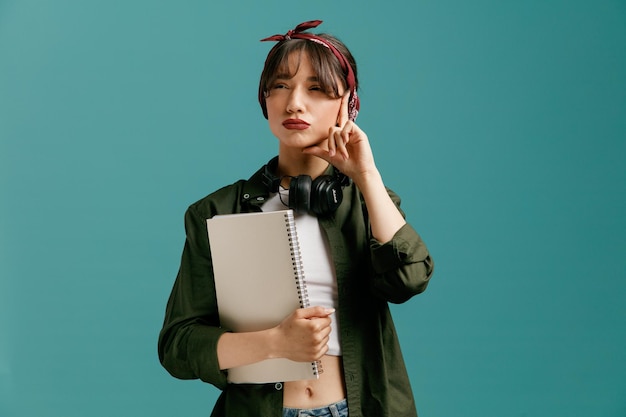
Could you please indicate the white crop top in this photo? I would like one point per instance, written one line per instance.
(319, 270)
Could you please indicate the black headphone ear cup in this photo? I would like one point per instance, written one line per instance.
(300, 193)
(326, 194)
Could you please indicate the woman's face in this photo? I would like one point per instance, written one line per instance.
(299, 112)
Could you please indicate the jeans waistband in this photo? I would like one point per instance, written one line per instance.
(338, 409)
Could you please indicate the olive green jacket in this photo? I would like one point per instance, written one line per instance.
(369, 275)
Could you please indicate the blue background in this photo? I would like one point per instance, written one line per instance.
(502, 124)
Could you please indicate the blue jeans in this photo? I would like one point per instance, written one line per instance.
(339, 409)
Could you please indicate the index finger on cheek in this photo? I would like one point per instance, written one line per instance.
(343, 110)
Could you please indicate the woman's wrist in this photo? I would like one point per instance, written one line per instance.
(238, 349)
(366, 179)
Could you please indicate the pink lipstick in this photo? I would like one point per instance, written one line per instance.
(295, 124)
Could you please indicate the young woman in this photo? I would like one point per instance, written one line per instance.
(364, 254)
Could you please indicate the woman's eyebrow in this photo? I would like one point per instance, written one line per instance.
(282, 77)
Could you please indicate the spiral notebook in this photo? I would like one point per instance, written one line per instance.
(259, 281)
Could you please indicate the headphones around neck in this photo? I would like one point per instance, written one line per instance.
(320, 196)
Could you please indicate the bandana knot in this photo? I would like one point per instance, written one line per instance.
(295, 33)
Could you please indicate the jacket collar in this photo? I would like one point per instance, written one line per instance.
(255, 192)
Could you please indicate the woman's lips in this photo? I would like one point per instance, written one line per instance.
(295, 124)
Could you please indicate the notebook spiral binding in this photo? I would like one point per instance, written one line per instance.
(296, 259)
(298, 268)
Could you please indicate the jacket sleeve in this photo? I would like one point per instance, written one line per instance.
(403, 266)
(187, 343)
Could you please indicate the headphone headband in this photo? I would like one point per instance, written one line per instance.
(270, 180)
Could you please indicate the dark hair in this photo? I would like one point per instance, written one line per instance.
(325, 65)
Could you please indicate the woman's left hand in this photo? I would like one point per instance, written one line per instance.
(348, 147)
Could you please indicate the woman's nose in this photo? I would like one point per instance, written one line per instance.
(295, 104)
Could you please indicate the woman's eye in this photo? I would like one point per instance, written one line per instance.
(279, 86)
(315, 88)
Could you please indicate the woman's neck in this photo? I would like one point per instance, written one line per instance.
(296, 163)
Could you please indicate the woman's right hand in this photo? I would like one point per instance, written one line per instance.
(303, 335)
